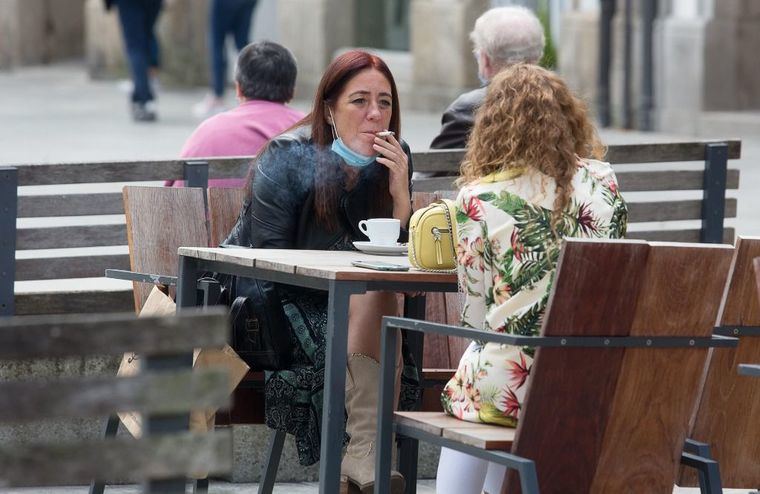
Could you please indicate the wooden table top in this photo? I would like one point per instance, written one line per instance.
(331, 265)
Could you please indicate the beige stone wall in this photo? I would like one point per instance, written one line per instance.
(444, 65)
(181, 31)
(40, 31)
(578, 60)
(314, 30)
(732, 71)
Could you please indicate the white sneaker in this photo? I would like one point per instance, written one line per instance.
(208, 107)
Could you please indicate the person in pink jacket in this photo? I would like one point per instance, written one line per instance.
(265, 79)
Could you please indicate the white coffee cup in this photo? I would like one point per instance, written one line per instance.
(381, 231)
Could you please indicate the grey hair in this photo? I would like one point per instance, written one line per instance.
(509, 35)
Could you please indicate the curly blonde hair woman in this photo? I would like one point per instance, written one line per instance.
(530, 177)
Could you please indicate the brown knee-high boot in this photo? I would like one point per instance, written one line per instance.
(358, 466)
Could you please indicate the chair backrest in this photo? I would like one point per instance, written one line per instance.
(224, 205)
(159, 221)
(601, 420)
(727, 415)
(170, 392)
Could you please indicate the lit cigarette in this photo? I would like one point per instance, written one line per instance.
(385, 133)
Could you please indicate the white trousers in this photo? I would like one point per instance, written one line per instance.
(460, 473)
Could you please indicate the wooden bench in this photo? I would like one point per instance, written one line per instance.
(615, 377)
(725, 417)
(165, 391)
(656, 169)
(36, 200)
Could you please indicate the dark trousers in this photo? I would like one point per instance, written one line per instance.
(227, 17)
(138, 19)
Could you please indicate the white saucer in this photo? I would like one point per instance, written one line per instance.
(383, 250)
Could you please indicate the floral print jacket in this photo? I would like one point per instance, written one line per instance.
(506, 254)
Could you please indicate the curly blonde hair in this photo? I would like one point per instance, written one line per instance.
(531, 119)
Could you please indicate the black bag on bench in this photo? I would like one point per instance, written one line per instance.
(260, 333)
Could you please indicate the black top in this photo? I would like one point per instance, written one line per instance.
(458, 119)
(281, 213)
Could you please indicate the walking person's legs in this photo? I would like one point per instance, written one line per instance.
(242, 23)
(153, 9)
(220, 18)
(132, 16)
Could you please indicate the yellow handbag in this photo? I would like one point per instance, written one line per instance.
(432, 237)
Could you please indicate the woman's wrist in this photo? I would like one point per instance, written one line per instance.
(402, 212)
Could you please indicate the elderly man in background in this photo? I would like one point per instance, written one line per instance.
(502, 36)
(265, 79)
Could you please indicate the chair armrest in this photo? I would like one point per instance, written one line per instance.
(156, 279)
(561, 341)
(749, 370)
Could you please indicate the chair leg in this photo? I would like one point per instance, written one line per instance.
(709, 473)
(200, 486)
(112, 427)
(407, 462)
(696, 454)
(268, 476)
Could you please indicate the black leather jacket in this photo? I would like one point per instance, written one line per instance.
(458, 119)
(281, 213)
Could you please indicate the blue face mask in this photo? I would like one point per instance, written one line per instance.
(351, 157)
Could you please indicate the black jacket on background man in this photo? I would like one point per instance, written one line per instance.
(458, 119)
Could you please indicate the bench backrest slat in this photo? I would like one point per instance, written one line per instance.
(125, 171)
(92, 266)
(98, 334)
(159, 393)
(73, 302)
(70, 205)
(672, 210)
(629, 408)
(63, 237)
(685, 235)
(727, 415)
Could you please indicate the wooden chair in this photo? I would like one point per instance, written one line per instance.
(615, 377)
(224, 205)
(726, 417)
(159, 221)
(165, 391)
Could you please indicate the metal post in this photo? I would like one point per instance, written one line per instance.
(8, 213)
(269, 475)
(605, 57)
(196, 175)
(714, 193)
(111, 429)
(333, 410)
(648, 15)
(388, 343)
(627, 65)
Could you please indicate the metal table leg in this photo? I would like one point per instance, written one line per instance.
(334, 399)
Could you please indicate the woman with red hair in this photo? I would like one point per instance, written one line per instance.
(313, 184)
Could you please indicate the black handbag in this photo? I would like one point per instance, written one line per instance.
(260, 332)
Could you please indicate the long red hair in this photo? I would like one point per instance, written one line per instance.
(328, 179)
